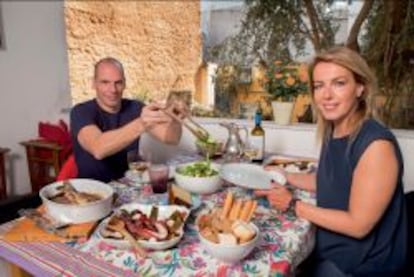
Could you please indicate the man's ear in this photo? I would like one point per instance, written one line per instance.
(93, 83)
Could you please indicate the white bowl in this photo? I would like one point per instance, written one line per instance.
(199, 185)
(250, 176)
(74, 213)
(164, 212)
(230, 253)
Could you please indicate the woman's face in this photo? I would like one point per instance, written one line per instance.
(335, 92)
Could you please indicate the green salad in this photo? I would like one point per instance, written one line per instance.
(198, 169)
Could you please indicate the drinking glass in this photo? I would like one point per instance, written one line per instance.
(158, 175)
(249, 151)
(136, 163)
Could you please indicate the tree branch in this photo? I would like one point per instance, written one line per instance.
(313, 17)
(352, 41)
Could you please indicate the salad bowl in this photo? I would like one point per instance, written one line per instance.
(200, 177)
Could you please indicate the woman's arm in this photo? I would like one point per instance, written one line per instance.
(279, 196)
(373, 185)
(302, 181)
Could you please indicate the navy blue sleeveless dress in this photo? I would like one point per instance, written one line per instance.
(382, 252)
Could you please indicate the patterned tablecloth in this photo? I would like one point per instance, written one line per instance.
(285, 241)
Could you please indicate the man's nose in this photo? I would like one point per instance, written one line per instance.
(113, 87)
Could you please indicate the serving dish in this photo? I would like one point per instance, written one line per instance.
(292, 164)
(164, 212)
(230, 253)
(250, 176)
(198, 185)
(227, 233)
(78, 213)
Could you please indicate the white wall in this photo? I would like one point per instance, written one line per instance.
(33, 76)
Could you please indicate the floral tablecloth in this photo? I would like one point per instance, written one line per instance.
(285, 241)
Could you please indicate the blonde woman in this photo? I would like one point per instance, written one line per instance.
(360, 211)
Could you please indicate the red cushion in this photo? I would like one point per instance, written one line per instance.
(69, 169)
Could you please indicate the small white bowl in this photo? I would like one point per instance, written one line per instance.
(199, 185)
(230, 253)
(74, 213)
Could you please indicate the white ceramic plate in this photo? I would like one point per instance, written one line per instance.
(137, 179)
(250, 176)
(163, 213)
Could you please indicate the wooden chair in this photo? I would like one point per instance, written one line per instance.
(3, 184)
(43, 162)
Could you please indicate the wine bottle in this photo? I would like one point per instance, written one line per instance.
(257, 137)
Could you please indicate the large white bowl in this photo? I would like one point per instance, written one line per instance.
(230, 253)
(164, 212)
(199, 185)
(73, 213)
(250, 176)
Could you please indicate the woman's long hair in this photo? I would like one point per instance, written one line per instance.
(363, 75)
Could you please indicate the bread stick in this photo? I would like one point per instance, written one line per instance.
(252, 210)
(228, 203)
(247, 205)
(235, 210)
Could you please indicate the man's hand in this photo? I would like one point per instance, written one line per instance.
(153, 115)
(178, 108)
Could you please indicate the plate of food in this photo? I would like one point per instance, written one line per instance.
(153, 227)
(292, 164)
(77, 200)
(250, 176)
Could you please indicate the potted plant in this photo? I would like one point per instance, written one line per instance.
(284, 81)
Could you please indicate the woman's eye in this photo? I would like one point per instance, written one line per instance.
(339, 83)
(317, 86)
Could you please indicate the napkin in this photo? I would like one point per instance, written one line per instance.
(26, 230)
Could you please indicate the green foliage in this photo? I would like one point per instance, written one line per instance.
(273, 30)
(284, 81)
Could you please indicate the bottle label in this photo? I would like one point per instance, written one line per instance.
(257, 142)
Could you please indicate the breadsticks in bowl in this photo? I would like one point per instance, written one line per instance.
(226, 232)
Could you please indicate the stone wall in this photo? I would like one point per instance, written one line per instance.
(159, 43)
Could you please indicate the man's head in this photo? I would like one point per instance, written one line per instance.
(109, 83)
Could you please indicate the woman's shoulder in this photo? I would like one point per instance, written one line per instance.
(374, 129)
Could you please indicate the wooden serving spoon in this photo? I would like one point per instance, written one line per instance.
(116, 224)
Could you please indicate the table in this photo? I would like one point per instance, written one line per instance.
(285, 241)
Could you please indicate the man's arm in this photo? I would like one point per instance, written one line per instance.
(153, 119)
(102, 144)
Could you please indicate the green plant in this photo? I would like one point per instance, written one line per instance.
(284, 81)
